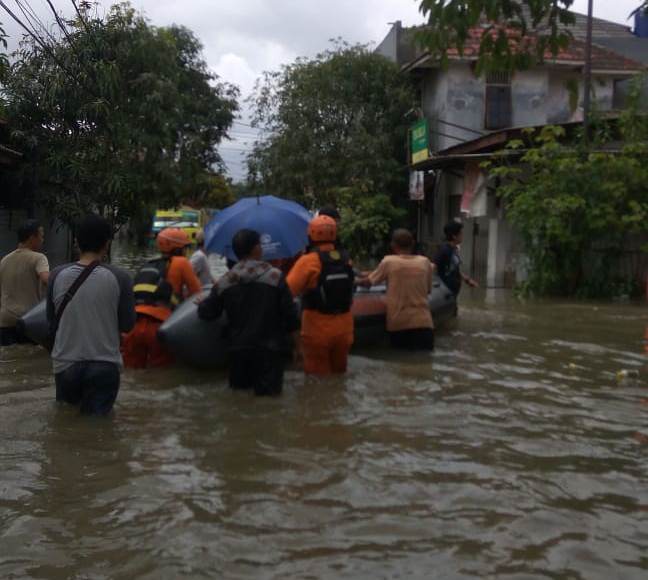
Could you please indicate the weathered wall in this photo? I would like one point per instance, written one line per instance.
(455, 96)
(529, 91)
(57, 236)
(539, 97)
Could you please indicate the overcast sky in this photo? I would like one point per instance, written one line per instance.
(243, 38)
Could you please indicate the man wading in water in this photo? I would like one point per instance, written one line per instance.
(89, 304)
(448, 262)
(409, 281)
(261, 315)
(23, 276)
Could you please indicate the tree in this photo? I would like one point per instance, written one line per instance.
(116, 115)
(519, 34)
(216, 193)
(576, 208)
(4, 62)
(333, 123)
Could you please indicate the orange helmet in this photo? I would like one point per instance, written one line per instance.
(322, 229)
(170, 239)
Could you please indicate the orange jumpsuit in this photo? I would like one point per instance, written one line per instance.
(326, 338)
(141, 347)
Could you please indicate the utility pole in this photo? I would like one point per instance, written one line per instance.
(587, 82)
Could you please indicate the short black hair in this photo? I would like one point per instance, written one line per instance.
(452, 230)
(92, 233)
(403, 239)
(27, 230)
(244, 241)
(330, 211)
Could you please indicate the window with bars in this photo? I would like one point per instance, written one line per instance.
(499, 106)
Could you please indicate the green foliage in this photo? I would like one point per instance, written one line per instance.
(119, 116)
(216, 194)
(4, 62)
(506, 43)
(575, 208)
(366, 221)
(246, 189)
(333, 124)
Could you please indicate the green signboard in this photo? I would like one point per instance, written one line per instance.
(419, 141)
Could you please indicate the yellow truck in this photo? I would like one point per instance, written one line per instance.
(188, 219)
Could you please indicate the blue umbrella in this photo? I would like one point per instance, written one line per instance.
(282, 224)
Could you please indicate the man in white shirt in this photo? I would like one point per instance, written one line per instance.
(200, 263)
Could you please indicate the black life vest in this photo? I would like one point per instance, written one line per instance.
(150, 285)
(334, 291)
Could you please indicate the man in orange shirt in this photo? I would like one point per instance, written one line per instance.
(159, 286)
(409, 281)
(324, 278)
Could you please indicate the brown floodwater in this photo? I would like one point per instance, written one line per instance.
(513, 451)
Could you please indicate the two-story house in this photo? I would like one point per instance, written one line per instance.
(471, 116)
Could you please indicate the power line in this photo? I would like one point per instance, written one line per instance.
(33, 19)
(83, 22)
(234, 149)
(36, 38)
(246, 125)
(62, 26)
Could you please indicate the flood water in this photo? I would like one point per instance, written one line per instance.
(513, 451)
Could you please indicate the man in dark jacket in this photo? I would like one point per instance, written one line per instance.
(448, 262)
(261, 315)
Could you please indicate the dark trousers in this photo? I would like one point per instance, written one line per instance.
(413, 339)
(258, 369)
(93, 385)
(9, 335)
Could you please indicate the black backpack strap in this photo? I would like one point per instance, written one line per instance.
(72, 290)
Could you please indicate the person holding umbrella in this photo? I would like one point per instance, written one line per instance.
(261, 315)
(324, 279)
(281, 225)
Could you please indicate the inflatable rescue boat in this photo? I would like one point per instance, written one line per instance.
(203, 344)
(200, 343)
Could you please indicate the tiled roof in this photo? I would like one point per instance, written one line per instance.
(602, 58)
(615, 46)
(633, 48)
(600, 28)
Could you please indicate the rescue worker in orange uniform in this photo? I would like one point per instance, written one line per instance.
(324, 279)
(159, 286)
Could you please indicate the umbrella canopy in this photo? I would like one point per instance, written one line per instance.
(282, 224)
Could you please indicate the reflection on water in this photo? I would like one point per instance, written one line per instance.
(511, 452)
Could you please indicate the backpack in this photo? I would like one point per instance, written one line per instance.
(150, 285)
(334, 291)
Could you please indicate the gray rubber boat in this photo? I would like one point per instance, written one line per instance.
(203, 344)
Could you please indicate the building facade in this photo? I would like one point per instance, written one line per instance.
(470, 116)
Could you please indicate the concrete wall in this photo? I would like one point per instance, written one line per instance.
(539, 97)
(57, 236)
(530, 92)
(460, 101)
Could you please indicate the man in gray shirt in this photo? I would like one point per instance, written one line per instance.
(86, 357)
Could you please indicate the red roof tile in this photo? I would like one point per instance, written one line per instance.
(602, 58)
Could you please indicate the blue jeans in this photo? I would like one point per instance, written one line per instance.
(91, 384)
